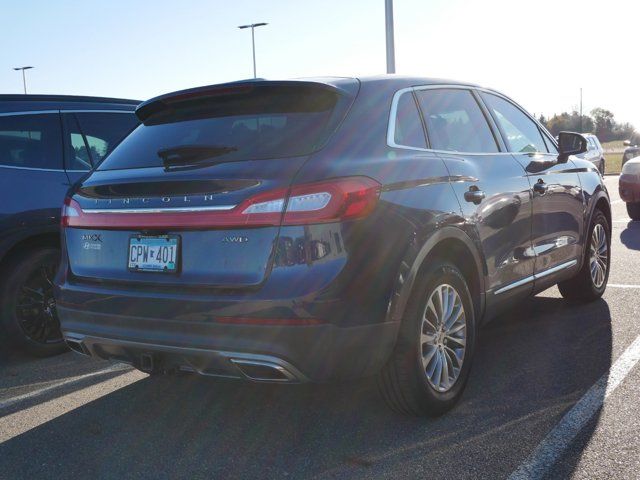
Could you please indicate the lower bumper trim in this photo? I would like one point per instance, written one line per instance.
(213, 363)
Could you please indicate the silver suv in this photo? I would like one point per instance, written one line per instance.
(595, 152)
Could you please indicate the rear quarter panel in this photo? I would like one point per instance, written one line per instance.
(416, 200)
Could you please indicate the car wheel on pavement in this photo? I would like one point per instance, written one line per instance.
(591, 281)
(633, 209)
(428, 369)
(27, 307)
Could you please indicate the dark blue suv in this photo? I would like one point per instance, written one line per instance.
(47, 142)
(292, 231)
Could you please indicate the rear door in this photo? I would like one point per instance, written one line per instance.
(492, 188)
(32, 179)
(558, 208)
(195, 175)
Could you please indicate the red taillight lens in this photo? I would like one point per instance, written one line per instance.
(331, 201)
(70, 209)
(322, 202)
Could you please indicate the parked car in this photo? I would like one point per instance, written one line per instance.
(595, 152)
(633, 148)
(629, 187)
(293, 231)
(47, 142)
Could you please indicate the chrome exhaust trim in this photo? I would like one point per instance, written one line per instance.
(264, 371)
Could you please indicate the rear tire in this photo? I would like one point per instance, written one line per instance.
(591, 281)
(633, 209)
(601, 167)
(405, 382)
(27, 309)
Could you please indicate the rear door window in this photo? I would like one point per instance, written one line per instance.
(408, 131)
(31, 141)
(522, 135)
(101, 132)
(264, 122)
(455, 121)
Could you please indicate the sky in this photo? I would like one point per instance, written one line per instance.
(538, 52)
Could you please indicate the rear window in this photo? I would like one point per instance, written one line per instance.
(262, 123)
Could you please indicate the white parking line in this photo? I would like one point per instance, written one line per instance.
(549, 451)
(615, 202)
(68, 381)
(622, 285)
(24, 420)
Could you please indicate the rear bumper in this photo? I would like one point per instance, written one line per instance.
(629, 187)
(315, 353)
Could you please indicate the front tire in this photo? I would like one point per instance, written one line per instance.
(591, 281)
(429, 367)
(27, 308)
(633, 209)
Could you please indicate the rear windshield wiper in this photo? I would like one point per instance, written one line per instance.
(192, 154)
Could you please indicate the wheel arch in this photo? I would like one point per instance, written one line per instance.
(37, 240)
(450, 244)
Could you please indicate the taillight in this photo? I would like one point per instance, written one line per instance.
(70, 209)
(322, 202)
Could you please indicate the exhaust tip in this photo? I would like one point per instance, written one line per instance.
(77, 347)
(262, 371)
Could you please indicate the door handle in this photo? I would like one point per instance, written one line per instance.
(474, 195)
(540, 187)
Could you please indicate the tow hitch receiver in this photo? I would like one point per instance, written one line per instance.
(146, 363)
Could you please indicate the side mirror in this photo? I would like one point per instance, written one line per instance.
(570, 143)
(627, 143)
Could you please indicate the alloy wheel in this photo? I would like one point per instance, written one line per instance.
(443, 338)
(599, 250)
(36, 307)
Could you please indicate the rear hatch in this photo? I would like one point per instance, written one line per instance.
(194, 196)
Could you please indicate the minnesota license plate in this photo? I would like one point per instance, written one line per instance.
(154, 254)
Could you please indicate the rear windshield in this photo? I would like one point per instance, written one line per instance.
(262, 123)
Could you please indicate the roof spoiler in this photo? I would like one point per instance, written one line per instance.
(185, 97)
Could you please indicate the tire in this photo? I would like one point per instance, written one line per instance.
(633, 209)
(584, 287)
(601, 167)
(404, 382)
(27, 281)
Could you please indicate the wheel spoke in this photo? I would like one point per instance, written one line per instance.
(444, 378)
(443, 337)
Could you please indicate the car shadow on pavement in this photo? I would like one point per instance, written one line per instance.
(46, 378)
(630, 236)
(530, 368)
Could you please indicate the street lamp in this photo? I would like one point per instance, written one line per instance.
(24, 80)
(391, 55)
(253, 41)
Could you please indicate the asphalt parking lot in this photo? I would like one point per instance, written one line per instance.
(553, 393)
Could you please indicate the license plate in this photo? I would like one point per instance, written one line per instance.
(154, 254)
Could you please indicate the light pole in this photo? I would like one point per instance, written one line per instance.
(388, 17)
(580, 110)
(253, 41)
(24, 80)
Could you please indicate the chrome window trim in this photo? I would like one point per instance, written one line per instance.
(536, 276)
(161, 210)
(32, 168)
(28, 112)
(391, 127)
(97, 111)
